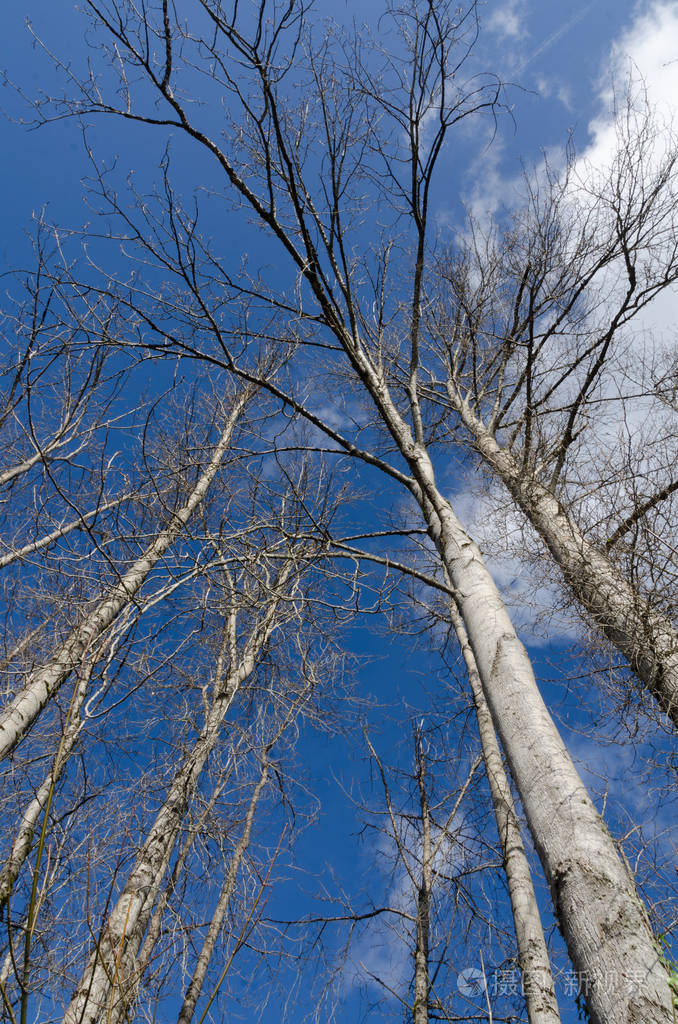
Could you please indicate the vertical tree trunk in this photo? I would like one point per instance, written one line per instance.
(602, 919)
(421, 952)
(17, 718)
(141, 954)
(109, 963)
(197, 981)
(643, 635)
(108, 966)
(605, 926)
(540, 996)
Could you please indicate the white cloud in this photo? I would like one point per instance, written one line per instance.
(650, 45)
(642, 63)
(507, 20)
(644, 52)
(548, 87)
(564, 94)
(638, 89)
(491, 190)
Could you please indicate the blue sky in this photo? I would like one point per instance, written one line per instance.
(561, 64)
(558, 59)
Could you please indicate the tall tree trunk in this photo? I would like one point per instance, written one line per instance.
(540, 996)
(111, 962)
(108, 966)
(603, 922)
(17, 718)
(197, 981)
(421, 952)
(643, 635)
(142, 957)
(602, 919)
(605, 926)
(139, 956)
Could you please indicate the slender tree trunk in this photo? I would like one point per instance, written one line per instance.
(107, 969)
(605, 926)
(644, 636)
(109, 964)
(197, 981)
(603, 921)
(23, 840)
(540, 996)
(421, 952)
(120, 1014)
(17, 718)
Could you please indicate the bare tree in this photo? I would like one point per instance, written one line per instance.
(307, 154)
(192, 995)
(400, 937)
(129, 917)
(255, 591)
(41, 685)
(535, 357)
(59, 489)
(424, 865)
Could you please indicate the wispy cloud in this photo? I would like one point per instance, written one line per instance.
(548, 87)
(507, 20)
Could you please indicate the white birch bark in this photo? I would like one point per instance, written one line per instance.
(603, 921)
(120, 1014)
(23, 839)
(645, 637)
(200, 972)
(538, 987)
(56, 534)
(109, 963)
(107, 969)
(19, 715)
(41, 455)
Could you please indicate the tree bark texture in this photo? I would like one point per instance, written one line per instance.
(643, 635)
(538, 987)
(421, 953)
(603, 921)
